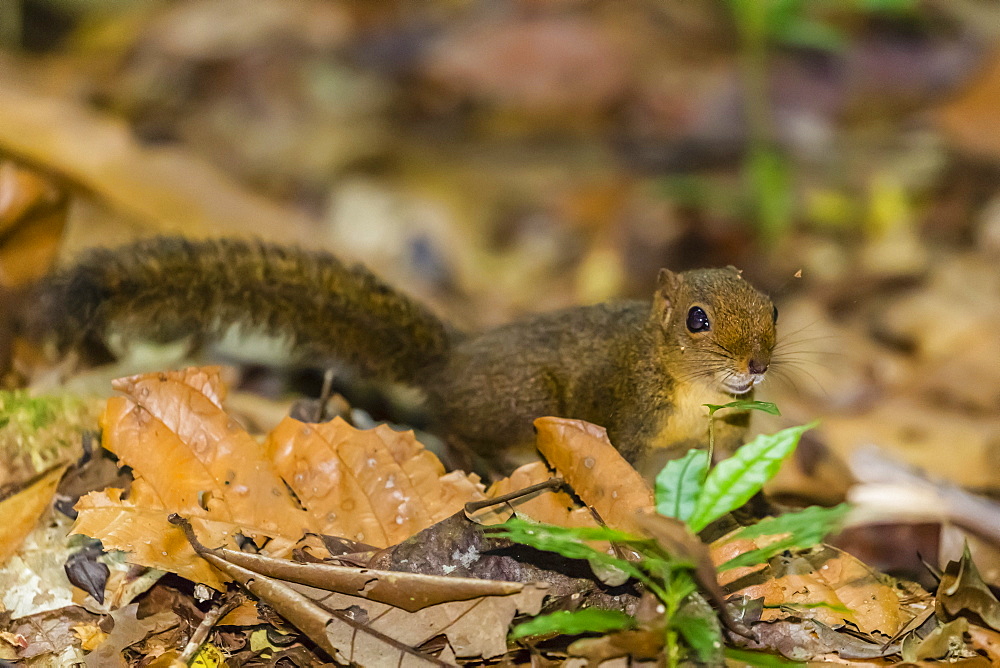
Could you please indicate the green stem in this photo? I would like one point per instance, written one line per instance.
(711, 444)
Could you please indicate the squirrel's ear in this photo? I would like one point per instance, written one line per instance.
(668, 282)
(667, 285)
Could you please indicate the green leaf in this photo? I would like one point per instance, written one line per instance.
(679, 484)
(570, 541)
(745, 405)
(807, 527)
(573, 622)
(699, 625)
(761, 659)
(810, 524)
(736, 479)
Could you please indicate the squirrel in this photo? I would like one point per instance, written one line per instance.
(641, 369)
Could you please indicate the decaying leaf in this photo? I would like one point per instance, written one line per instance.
(50, 633)
(128, 629)
(377, 486)
(963, 592)
(33, 580)
(339, 634)
(827, 585)
(596, 471)
(474, 628)
(409, 591)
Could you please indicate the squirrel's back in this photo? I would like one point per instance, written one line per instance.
(168, 286)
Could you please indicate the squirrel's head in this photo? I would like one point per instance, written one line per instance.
(719, 328)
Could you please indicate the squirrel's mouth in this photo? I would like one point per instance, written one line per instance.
(740, 383)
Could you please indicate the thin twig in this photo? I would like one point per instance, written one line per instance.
(229, 603)
(551, 483)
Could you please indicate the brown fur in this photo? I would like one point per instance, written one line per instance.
(630, 366)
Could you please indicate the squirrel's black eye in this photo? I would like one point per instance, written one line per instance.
(697, 320)
(775, 315)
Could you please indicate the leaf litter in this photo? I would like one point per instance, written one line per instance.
(438, 581)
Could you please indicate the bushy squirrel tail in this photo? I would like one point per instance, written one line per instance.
(165, 287)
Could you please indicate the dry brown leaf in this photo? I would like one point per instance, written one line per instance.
(548, 506)
(827, 585)
(475, 628)
(20, 511)
(378, 486)
(409, 591)
(970, 120)
(583, 455)
(190, 458)
(163, 188)
(32, 216)
(339, 634)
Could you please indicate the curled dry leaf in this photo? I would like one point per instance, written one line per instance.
(409, 591)
(824, 584)
(188, 457)
(340, 635)
(22, 510)
(474, 628)
(583, 455)
(377, 486)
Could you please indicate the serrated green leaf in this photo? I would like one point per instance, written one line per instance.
(736, 479)
(808, 524)
(745, 405)
(573, 622)
(570, 541)
(806, 527)
(679, 483)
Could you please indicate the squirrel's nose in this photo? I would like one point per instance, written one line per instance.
(757, 366)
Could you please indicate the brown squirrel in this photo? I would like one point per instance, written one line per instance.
(643, 370)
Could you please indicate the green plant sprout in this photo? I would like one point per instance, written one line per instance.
(740, 405)
(763, 25)
(689, 491)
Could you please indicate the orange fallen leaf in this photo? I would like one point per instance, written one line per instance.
(376, 486)
(827, 585)
(548, 506)
(21, 511)
(32, 216)
(596, 471)
(188, 457)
